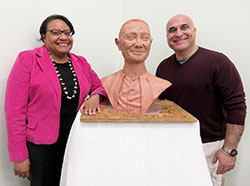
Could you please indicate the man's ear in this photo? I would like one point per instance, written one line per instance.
(117, 42)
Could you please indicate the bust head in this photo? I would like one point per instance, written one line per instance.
(134, 41)
(133, 89)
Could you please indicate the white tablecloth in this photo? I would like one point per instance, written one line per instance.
(134, 154)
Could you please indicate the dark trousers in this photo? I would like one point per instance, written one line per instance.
(46, 162)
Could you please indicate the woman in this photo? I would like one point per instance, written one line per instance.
(45, 89)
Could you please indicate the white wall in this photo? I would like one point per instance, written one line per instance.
(222, 25)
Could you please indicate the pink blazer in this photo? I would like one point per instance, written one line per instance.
(33, 94)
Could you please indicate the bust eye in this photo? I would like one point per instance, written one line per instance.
(130, 36)
(145, 38)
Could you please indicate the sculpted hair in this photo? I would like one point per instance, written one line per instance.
(43, 27)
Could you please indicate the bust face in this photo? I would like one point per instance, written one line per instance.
(134, 41)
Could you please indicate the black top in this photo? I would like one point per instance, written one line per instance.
(68, 106)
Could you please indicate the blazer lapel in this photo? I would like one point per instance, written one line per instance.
(155, 85)
(147, 98)
(112, 86)
(48, 68)
(80, 78)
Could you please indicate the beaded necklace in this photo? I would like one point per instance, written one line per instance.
(63, 85)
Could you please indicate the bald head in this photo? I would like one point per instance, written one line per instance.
(179, 18)
(134, 41)
(181, 35)
(129, 22)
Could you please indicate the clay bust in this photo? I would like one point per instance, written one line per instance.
(133, 89)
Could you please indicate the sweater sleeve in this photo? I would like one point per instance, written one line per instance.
(229, 86)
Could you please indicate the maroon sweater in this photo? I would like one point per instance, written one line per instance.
(209, 87)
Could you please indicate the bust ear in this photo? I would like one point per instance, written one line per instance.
(117, 42)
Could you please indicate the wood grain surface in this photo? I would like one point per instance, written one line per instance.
(170, 113)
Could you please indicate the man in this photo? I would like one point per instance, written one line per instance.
(133, 89)
(206, 84)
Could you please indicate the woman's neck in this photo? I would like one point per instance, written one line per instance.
(60, 60)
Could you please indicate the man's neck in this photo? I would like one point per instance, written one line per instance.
(181, 55)
(134, 69)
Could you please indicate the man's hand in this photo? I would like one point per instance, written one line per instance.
(226, 161)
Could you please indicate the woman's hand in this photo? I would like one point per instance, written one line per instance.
(90, 106)
(22, 168)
